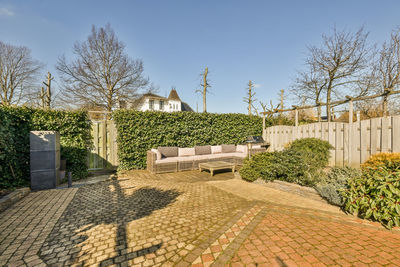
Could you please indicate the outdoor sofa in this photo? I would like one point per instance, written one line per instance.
(173, 159)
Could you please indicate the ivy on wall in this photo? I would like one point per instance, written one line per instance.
(16, 123)
(139, 131)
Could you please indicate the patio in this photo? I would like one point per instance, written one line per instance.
(183, 219)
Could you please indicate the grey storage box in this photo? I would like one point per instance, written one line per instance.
(45, 159)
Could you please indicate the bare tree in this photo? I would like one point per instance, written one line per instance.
(387, 69)
(249, 99)
(46, 95)
(204, 90)
(308, 86)
(18, 71)
(339, 65)
(101, 74)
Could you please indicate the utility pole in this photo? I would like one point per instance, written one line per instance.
(47, 97)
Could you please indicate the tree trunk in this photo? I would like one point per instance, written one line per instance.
(385, 106)
(328, 105)
(205, 90)
(250, 100)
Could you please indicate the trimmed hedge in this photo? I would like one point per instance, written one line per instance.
(16, 123)
(140, 131)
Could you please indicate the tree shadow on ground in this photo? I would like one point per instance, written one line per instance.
(105, 203)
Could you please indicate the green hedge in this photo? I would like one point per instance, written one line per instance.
(15, 125)
(140, 131)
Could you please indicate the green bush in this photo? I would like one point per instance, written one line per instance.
(314, 150)
(331, 187)
(376, 194)
(140, 131)
(16, 123)
(286, 165)
(302, 163)
(249, 173)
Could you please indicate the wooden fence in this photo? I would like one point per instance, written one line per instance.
(353, 142)
(104, 152)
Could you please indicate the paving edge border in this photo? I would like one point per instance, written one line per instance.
(229, 252)
(8, 200)
(205, 242)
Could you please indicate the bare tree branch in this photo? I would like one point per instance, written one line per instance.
(101, 74)
(18, 71)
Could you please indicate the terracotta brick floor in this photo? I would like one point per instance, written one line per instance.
(184, 219)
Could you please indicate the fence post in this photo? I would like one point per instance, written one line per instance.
(350, 131)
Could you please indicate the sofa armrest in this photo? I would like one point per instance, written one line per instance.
(151, 161)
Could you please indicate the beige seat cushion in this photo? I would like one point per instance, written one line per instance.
(167, 160)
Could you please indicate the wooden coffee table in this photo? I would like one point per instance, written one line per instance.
(216, 165)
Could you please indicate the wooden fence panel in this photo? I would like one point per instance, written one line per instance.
(353, 143)
(104, 152)
(396, 134)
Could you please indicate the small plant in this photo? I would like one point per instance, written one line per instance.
(331, 186)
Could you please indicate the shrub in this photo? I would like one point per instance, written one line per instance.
(375, 194)
(315, 151)
(16, 123)
(387, 160)
(331, 187)
(286, 165)
(248, 172)
(140, 131)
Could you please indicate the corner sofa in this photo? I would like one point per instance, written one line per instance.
(173, 159)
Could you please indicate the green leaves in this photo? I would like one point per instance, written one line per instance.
(301, 163)
(16, 123)
(376, 192)
(140, 131)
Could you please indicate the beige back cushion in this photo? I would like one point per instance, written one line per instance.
(186, 151)
(241, 148)
(202, 150)
(168, 151)
(216, 149)
(157, 152)
(228, 148)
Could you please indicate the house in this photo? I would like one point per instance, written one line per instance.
(150, 101)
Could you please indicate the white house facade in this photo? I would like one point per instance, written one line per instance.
(155, 102)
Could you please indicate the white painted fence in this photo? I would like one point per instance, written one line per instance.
(353, 142)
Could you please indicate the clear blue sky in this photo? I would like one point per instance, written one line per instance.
(265, 41)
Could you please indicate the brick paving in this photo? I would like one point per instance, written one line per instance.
(184, 219)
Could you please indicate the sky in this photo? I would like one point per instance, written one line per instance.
(262, 41)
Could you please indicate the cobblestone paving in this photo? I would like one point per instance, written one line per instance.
(181, 219)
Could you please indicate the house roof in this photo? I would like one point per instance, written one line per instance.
(151, 95)
(186, 107)
(173, 95)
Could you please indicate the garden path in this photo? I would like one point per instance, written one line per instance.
(184, 219)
